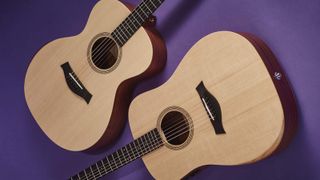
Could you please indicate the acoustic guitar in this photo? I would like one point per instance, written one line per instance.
(78, 88)
(228, 103)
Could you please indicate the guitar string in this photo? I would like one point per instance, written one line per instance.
(106, 44)
(75, 47)
(99, 51)
(115, 160)
(188, 130)
(144, 8)
(181, 120)
(179, 129)
(195, 107)
(137, 8)
(115, 166)
(170, 137)
(183, 123)
(97, 173)
(104, 169)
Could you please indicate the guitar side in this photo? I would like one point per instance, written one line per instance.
(254, 109)
(67, 119)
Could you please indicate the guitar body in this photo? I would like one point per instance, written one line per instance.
(256, 107)
(65, 117)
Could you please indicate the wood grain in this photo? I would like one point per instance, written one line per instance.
(252, 113)
(64, 117)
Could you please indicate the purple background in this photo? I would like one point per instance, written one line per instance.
(289, 27)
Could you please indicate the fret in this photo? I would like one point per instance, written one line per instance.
(150, 11)
(125, 37)
(128, 154)
(152, 140)
(157, 3)
(106, 164)
(123, 26)
(141, 147)
(95, 171)
(150, 6)
(89, 172)
(109, 164)
(119, 158)
(137, 12)
(116, 37)
(153, 4)
(135, 27)
(128, 26)
(152, 143)
(148, 142)
(120, 35)
(154, 135)
(114, 160)
(137, 148)
(124, 155)
(85, 174)
(124, 159)
(143, 12)
(104, 168)
(82, 174)
(141, 143)
(98, 169)
(146, 10)
(135, 20)
(132, 151)
(92, 172)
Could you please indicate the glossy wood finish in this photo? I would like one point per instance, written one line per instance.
(254, 116)
(283, 87)
(123, 99)
(64, 117)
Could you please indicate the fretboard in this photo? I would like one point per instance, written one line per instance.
(136, 149)
(135, 20)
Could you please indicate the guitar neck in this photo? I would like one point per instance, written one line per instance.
(136, 149)
(135, 20)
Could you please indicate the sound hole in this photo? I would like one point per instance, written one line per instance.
(104, 53)
(175, 127)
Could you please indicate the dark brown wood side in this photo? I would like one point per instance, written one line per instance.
(284, 90)
(283, 87)
(124, 92)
